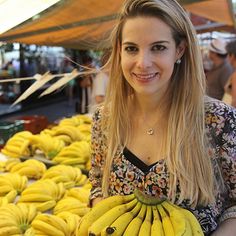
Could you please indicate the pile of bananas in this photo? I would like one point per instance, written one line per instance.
(63, 224)
(31, 168)
(82, 194)
(12, 181)
(138, 214)
(72, 205)
(44, 194)
(47, 144)
(76, 154)
(18, 145)
(68, 175)
(16, 219)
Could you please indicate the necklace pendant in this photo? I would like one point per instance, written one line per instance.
(150, 131)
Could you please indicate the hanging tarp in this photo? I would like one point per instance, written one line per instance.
(83, 24)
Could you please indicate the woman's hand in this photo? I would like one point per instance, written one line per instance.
(226, 228)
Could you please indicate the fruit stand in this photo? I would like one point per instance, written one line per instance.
(44, 184)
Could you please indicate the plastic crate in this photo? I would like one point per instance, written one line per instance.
(35, 124)
(8, 129)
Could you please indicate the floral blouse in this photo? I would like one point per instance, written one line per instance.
(129, 172)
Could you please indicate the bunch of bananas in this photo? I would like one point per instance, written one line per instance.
(138, 214)
(16, 219)
(72, 205)
(68, 175)
(16, 181)
(9, 163)
(11, 185)
(71, 131)
(31, 168)
(49, 145)
(43, 194)
(18, 145)
(46, 224)
(82, 194)
(72, 220)
(76, 154)
(76, 120)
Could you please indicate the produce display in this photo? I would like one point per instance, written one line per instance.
(43, 196)
(51, 198)
(138, 214)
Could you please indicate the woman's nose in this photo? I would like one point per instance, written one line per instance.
(144, 60)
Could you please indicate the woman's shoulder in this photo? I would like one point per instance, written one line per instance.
(218, 113)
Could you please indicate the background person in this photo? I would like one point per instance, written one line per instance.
(156, 131)
(218, 75)
(230, 87)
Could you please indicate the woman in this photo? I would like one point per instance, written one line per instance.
(156, 131)
(230, 87)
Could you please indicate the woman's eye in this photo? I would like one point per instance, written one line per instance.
(131, 49)
(158, 48)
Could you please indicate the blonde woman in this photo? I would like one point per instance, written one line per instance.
(156, 130)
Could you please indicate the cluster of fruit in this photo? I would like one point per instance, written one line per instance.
(68, 175)
(76, 154)
(138, 214)
(27, 215)
(51, 142)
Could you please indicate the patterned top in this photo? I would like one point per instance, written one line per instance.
(129, 172)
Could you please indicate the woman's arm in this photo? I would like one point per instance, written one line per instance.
(226, 228)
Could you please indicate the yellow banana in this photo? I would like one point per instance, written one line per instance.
(11, 196)
(46, 228)
(157, 228)
(145, 228)
(178, 220)
(134, 226)
(110, 216)
(166, 222)
(120, 224)
(54, 221)
(194, 224)
(35, 198)
(45, 206)
(32, 213)
(9, 230)
(99, 209)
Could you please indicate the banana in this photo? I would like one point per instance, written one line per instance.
(45, 206)
(134, 226)
(32, 213)
(69, 204)
(35, 198)
(194, 224)
(157, 228)
(99, 209)
(3, 201)
(80, 194)
(166, 222)
(145, 228)
(5, 189)
(110, 216)
(81, 181)
(9, 230)
(9, 153)
(54, 221)
(177, 219)
(46, 228)
(120, 224)
(71, 220)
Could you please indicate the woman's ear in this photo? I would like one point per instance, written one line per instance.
(180, 49)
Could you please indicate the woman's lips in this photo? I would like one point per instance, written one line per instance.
(145, 77)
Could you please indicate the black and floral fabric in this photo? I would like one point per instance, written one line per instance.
(129, 172)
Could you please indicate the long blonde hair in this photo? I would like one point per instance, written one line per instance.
(187, 158)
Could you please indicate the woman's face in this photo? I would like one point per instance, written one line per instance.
(148, 55)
